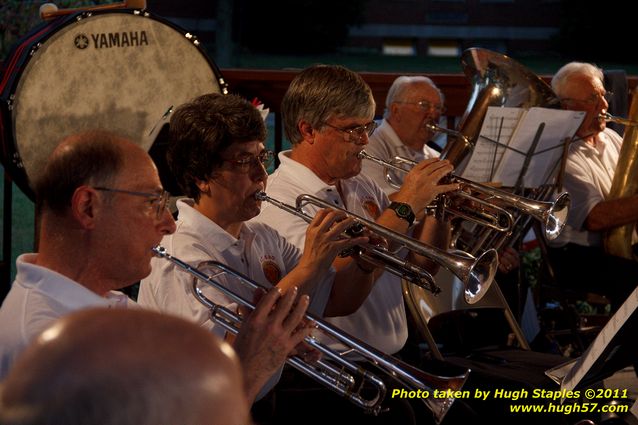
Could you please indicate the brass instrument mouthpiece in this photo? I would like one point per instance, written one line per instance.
(606, 116)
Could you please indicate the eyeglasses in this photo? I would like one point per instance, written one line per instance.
(426, 105)
(245, 165)
(591, 100)
(161, 199)
(355, 134)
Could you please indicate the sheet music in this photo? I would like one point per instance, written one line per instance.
(517, 128)
(594, 351)
(558, 124)
(498, 126)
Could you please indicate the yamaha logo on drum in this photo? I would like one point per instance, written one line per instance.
(81, 41)
(112, 39)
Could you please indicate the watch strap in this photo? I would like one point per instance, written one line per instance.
(403, 211)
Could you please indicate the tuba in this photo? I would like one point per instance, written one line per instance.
(497, 80)
(617, 241)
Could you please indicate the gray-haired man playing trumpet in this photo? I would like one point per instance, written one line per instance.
(328, 116)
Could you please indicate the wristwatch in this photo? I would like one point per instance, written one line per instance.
(403, 211)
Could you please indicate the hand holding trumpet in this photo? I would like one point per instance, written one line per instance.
(422, 184)
(270, 334)
(325, 239)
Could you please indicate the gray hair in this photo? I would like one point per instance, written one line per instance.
(321, 92)
(401, 85)
(574, 68)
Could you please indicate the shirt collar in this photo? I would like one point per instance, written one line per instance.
(208, 232)
(308, 180)
(66, 291)
(600, 143)
(389, 135)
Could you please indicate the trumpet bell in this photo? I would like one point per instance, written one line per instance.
(556, 216)
(478, 275)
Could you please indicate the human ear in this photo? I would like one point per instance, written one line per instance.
(307, 131)
(85, 204)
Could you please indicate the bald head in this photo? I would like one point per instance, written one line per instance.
(91, 158)
(111, 366)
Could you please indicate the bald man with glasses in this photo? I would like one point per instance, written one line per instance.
(102, 210)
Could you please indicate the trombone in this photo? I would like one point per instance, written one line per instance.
(334, 371)
(475, 273)
(553, 215)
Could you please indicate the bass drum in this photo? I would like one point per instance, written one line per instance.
(121, 71)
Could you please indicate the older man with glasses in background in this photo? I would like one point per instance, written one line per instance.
(412, 104)
(578, 256)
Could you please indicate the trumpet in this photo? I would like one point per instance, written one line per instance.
(333, 370)
(476, 274)
(553, 215)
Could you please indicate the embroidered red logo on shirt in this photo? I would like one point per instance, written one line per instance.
(271, 271)
(372, 208)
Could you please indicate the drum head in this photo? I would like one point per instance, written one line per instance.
(119, 71)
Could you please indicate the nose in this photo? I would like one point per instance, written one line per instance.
(166, 225)
(259, 173)
(364, 139)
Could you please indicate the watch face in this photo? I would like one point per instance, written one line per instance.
(403, 210)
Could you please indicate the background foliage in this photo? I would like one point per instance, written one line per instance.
(18, 17)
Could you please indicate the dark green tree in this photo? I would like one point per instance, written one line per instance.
(18, 17)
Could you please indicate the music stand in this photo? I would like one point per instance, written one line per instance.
(615, 347)
(521, 148)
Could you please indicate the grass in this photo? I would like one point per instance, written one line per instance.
(367, 62)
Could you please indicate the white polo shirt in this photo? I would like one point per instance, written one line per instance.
(37, 298)
(260, 253)
(589, 172)
(381, 320)
(385, 144)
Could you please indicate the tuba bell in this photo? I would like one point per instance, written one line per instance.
(497, 80)
(617, 241)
